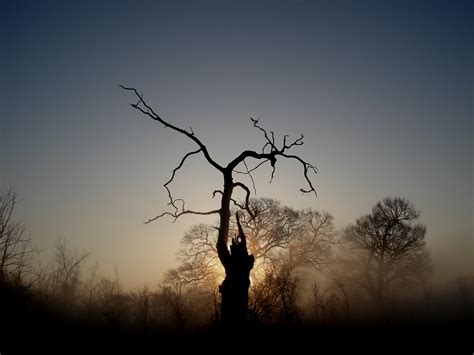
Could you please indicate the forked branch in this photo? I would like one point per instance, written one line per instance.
(173, 202)
(272, 156)
(143, 107)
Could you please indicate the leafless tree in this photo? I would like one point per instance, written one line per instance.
(277, 236)
(282, 239)
(90, 285)
(198, 257)
(16, 250)
(311, 245)
(141, 306)
(67, 271)
(274, 299)
(267, 231)
(272, 229)
(234, 307)
(173, 308)
(387, 248)
(304, 237)
(113, 302)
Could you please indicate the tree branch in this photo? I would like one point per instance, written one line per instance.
(143, 107)
(307, 167)
(233, 200)
(273, 154)
(177, 213)
(250, 170)
(247, 199)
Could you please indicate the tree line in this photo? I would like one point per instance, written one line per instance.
(305, 269)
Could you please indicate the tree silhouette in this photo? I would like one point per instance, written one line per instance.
(387, 247)
(67, 271)
(234, 299)
(16, 250)
(305, 236)
(299, 238)
(284, 242)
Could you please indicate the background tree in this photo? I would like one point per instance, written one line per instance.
(200, 270)
(387, 248)
(271, 229)
(311, 242)
(16, 250)
(234, 306)
(303, 238)
(67, 270)
(283, 241)
(275, 295)
(112, 301)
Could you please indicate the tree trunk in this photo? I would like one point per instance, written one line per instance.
(237, 264)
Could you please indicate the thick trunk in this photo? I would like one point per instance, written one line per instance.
(237, 264)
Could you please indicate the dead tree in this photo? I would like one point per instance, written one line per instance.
(236, 261)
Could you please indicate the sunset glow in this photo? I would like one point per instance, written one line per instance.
(376, 96)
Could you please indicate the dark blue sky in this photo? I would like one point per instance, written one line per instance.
(382, 90)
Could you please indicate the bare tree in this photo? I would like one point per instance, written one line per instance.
(67, 271)
(303, 238)
(198, 257)
(173, 307)
(16, 250)
(90, 285)
(272, 229)
(141, 306)
(280, 238)
(234, 304)
(274, 298)
(387, 247)
(269, 230)
(311, 246)
(113, 302)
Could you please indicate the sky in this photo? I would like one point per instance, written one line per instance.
(381, 90)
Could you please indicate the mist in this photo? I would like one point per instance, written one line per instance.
(293, 173)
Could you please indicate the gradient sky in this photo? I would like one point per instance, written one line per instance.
(382, 90)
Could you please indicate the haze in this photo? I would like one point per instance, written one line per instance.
(381, 90)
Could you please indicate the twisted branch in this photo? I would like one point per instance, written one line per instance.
(177, 213)
(247, 198)
(143, 107)
(272, 156)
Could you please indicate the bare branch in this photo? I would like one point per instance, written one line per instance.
(173, 201)
(247, 198)
(298, 141)
(270, 142)
(16, 250)
(307, 167)
(251, 177)
(233, 200)
(216, 192)
(177, 212)
(267, 154)
(143, 107)
(273, 174)
(272, 156)
(251, 170)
